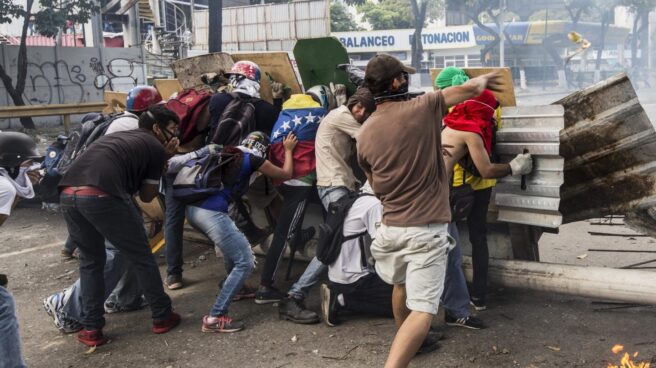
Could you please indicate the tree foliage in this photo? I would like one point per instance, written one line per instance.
(53, 15)
(340, 19)
(397, 14)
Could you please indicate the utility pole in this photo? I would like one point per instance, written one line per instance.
(214, 38)
(502, 38)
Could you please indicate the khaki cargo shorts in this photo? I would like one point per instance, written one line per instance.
(414, 256)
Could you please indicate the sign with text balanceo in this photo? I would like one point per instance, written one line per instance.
(401, 39)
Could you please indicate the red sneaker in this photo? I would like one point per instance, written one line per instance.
(91, 337)
(166, 325)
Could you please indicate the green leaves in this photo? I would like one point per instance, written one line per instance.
(53, 14)
(396, 14)
(340, 19)
(9, 10)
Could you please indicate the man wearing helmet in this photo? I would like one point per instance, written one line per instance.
(412, 243)
(17, 150)
(210, 216)
(245, 82)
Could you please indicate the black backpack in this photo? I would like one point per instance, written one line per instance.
(80, 140)
(331, 233)
(236, 121)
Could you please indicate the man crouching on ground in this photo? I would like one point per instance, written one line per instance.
(399, 149)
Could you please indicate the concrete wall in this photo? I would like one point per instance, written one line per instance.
(57, 75)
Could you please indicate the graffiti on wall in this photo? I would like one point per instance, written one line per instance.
(46, 81)
(119, 71)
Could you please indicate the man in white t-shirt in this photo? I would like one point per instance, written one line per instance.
(354, 284)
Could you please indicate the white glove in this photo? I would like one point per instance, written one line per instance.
(522, 164)
(340, 93)
(277, 90)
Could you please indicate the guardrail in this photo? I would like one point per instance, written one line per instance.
(65, 110)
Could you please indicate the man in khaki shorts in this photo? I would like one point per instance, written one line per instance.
(399, 149)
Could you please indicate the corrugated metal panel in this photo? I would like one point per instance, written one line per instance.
(536, 128)
(253, 27)
(609, 146)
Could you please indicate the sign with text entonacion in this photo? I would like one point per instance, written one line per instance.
(401, 39)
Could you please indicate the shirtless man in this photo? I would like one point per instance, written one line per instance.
(469, 131)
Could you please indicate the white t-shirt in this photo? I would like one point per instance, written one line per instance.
(365, 215)
(7, 195)
(128, 121)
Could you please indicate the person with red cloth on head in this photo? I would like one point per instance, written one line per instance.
(467, 139)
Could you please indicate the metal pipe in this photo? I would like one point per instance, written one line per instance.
(632, 286)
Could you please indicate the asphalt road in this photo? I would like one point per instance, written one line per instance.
(526, 329)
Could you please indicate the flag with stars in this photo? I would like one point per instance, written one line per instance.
(303, 122)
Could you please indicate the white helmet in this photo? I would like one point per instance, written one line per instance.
(323, 95)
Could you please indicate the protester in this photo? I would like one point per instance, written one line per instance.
(122, 291)
(468, 138)
(412, 243)
(17, 175)
(301, 115)
(210, 217)
(354, 285)
(334, 147)
(245, 82)
(139, 99)
(96, 195)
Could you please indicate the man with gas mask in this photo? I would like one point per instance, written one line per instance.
(96, 196)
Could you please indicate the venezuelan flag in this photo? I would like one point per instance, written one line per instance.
(300, 115)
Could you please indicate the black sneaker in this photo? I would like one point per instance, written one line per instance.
(430, 342)
(478, 304)
(268, 294)
(174, 282)
(466, 322)
(294, 310)
(329, 306)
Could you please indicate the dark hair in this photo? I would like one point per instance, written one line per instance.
(364, 97)
(157, 114)
(378, 87)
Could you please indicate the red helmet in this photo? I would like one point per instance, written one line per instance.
(142, 97)
(247, 69)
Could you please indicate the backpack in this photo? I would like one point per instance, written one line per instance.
(331, 233)
(236, 121)
(188, 105)
(80, 140)
(202, 177)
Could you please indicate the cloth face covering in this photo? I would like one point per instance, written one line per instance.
(475, 116)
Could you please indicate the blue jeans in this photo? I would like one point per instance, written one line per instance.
(10, 349)
(91, 220)
(455, 297)
(316, 269)
(119, 280)
(173, 228)
(237, 254)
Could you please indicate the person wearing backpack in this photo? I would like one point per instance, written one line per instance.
(232, 116)
(301, 115)
(335, 178)
(468, 137)
(139, 99)
(210, 215)
(96, 196)
(122, 290)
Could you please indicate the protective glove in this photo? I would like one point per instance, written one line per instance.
(214, 148)
(522, 164)
(277, 90)
(339, 91)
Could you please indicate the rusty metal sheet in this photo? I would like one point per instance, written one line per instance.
(609, 147)
(537, 129)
